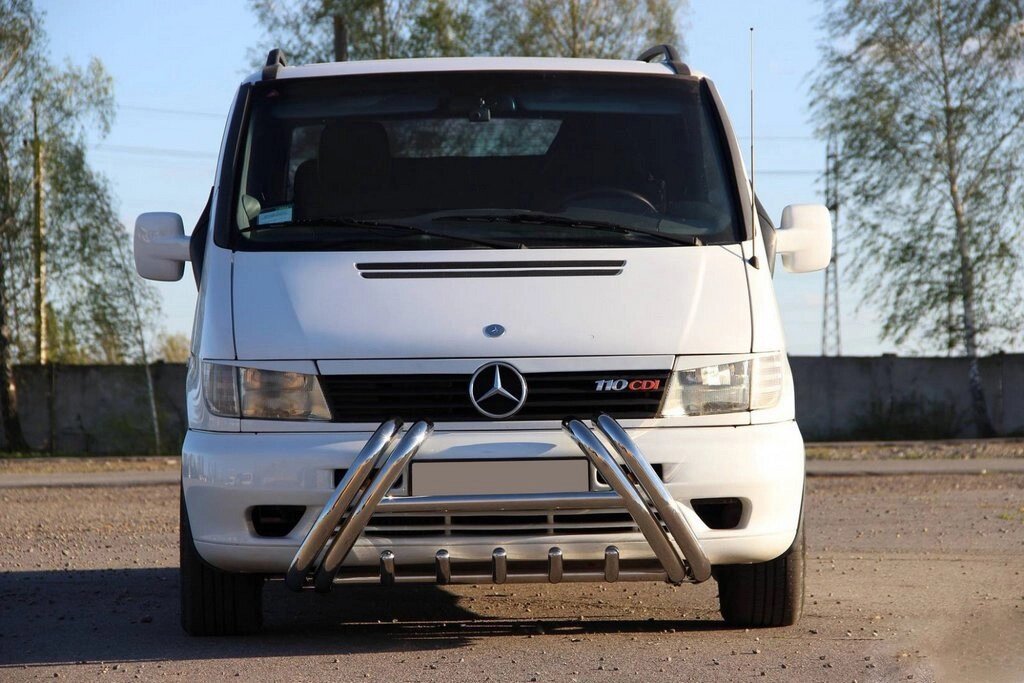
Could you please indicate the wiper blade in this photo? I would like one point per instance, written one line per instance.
(352, 222)
(569, 222)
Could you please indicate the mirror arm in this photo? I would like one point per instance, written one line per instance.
(174, 248)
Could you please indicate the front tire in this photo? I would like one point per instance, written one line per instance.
(764, 594)
(215, 602)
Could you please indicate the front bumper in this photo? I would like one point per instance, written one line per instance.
(224, 475)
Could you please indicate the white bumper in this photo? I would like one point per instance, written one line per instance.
(225, 474)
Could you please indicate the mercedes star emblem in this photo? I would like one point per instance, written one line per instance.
(497, 390)
(494, 330)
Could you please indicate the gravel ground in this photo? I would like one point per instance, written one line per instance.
(953, 449)
(908, 577)
(88, 464)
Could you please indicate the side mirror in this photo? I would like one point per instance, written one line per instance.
(161, 247)
(805, 238)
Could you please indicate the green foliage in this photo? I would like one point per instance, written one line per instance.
(384, 29)
(173, 348)
(927, 102)
(88, 261)
(581, 28)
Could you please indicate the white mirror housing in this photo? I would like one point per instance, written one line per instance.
(804, 238)
(161, 247)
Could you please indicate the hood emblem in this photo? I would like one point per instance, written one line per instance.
(497, 390)
(494, 330)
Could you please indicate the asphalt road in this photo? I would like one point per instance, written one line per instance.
(909, 577)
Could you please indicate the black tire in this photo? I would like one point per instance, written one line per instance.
(764, 594)
(215, 602)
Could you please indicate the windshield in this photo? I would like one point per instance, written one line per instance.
(473, 160)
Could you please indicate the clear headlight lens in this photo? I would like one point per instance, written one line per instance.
(220, 389)
(263, 394)
(749, 384)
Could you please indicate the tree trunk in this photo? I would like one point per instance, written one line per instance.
(140, 337)
(340, 39)
(154, 413)
(38, 242)
(13, 436)
(979, 404)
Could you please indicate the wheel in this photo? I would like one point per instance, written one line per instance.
(764, 593)
(215, 602)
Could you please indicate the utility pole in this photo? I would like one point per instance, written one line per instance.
(831, 340)
(340, 38)
(38, 241)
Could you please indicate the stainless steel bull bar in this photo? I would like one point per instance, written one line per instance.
(361, 494)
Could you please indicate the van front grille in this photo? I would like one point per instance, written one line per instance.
(538, 523)
(550, 396)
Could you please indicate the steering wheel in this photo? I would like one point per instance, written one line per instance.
(611, 191)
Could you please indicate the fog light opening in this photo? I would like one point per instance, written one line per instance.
(275, 521)
(719, 513)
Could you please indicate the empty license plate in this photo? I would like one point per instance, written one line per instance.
(456, 477)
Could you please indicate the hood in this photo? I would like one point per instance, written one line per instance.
(436, 304)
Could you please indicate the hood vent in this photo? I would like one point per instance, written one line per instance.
(477, 269)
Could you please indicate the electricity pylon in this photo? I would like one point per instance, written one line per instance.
(831, 339)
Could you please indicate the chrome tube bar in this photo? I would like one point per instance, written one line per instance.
(645, 520)
(339, 548)
(499, 566)
(443, 567)
(339, 502)
(656, 575)
(555, 565)
(387, 568)
(661, 499)
(363, 491)
(611, 564)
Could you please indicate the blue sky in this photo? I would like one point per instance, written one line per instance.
(177, 63)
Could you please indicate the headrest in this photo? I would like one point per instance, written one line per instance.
(354, 154)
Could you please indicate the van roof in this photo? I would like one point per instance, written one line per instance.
(437, 64)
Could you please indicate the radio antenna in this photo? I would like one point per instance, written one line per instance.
(753, 196)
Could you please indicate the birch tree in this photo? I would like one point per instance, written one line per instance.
(18, 24)
(612, 29)
(308, 30)
(373, 29)
(65, 266)
(927, 100)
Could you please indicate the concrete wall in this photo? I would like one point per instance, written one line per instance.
(105, 408)
(903, 398)
(100, 408)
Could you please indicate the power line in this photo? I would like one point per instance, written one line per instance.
(174, 112)
(137, 150)
(781, 138)
(792, 172)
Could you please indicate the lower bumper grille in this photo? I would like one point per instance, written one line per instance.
(506, 524)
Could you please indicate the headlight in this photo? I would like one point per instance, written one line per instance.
(263, 394)
(749, 384)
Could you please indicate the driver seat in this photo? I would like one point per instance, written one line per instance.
(590, 154)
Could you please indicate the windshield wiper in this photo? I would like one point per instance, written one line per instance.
(536, 217)
(351, 222)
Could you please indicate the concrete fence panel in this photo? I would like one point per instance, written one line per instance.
(104, 409)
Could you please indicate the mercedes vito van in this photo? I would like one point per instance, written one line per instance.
(486, 320)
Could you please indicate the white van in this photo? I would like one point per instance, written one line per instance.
(486, 320)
